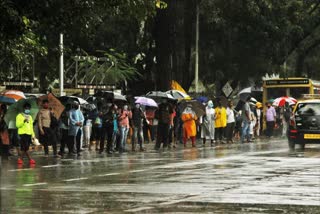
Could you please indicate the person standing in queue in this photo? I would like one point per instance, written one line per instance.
(124, 116)
(220, 122)
(46, 130)
(189, 118)
(163, 115)
(208, 124)
(271, 117)
(24, 124)
(138, 115)
(76, 120)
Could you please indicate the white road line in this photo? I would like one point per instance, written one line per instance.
(36, 184)
(109, 174)
(76, 179)
(51, 166)
(17, 170)
(139, 209)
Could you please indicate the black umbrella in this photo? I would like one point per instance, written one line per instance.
(196, 106)
(110, 95)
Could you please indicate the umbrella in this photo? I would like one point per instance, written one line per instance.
(15, 94)
(178, 95)
(196, 106)
(280, 101)
(244, 93)
(111, 95)
(69, 99)
(6, 100)
(202, 99)
(54, 103)
(17, 108)
(146, 101)
(159, 95)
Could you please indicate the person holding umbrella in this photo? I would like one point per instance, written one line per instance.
(24, 123)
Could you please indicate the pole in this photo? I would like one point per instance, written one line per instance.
(61, 65)
(197, 51)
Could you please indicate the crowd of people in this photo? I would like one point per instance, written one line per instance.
(109, 128)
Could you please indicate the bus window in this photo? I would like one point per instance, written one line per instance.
(298, 92)
(274, 93)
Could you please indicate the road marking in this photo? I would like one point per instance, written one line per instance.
(109, 174)
(76, 179)
(51, 166)
(17, 170)
(36, 184)
(139, 209)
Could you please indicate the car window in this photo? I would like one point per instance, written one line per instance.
(308, 109)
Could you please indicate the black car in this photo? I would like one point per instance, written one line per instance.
(304, 127)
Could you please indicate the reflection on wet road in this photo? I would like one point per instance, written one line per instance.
(263, 177)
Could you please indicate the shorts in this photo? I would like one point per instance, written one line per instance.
(25, 142)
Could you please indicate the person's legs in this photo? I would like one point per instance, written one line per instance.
(134, 138)
(165, 135)
(78, 141)
(245, 130)
(141, 138)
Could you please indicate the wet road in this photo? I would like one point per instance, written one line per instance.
(263, 177)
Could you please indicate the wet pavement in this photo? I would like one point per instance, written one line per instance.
(260, 177)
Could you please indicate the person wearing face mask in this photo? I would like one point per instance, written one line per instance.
(189, 118)
(24, 124)
(47, 135)
(124, 117)
(76, 120)
(208, 124)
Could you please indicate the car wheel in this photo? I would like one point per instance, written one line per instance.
(292, 144)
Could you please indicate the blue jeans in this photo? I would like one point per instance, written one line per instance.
(137, 137)
(123, 138)
(245, 133)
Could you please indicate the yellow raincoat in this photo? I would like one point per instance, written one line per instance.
(189, 124)
(221, 117)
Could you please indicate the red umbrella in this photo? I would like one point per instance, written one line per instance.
(280, 101)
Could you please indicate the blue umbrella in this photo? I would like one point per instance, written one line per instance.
(7, 100)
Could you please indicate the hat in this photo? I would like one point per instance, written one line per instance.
(259, 105)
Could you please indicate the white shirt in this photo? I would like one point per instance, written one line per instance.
(230, 115)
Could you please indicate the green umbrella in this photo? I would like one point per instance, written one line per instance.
(17, 108)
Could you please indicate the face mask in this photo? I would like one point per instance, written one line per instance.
(125, 108)
(210, 105)
(27, 111)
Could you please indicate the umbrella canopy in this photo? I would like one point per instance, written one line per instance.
(244, 93)
(17, 108)
(178, 95)
(6, 100)
(69, 99)
(202, 99)
(111, 95)
(280, 101)
(54, 103)
(145, 101)
(15, 94)
(196, 106)
(159, 94)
